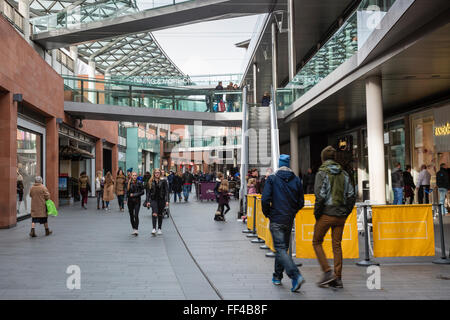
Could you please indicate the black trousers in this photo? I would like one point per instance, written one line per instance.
(158, 208)
(221, 208)
(133, 208)
(424, 189)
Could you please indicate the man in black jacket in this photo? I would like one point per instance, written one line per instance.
(135, 190)
(188, 178)
(443, 184)
(281, 200)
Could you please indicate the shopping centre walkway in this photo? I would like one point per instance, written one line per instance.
(116, 265)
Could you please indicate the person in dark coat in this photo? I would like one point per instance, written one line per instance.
(135, 189)
(224, 199)
(177, 186)
(409, 185)
(443, 184)
(281, 200)
(265, 102)
(157, 191)
(308, 182)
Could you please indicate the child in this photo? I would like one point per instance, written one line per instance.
(224, 199)
(251, 186)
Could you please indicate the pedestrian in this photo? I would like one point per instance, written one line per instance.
(135, 189)
(263, 180)
(157, 198)
(265, 102)
(335, 198)
(216, 189)
(397, 184)
(410, 187)
(120, 189)
(219, 97)
(424, 184)
(255, 175)
(281, 200)
(230, 98)
(147, 176)
(251, 186)
(443, 184)
(84, 188)
(20, 188)
(224, 199)
(308, 182)
(39, 195)
(170, 181)
(187, 184)
(237, 107)
(108, 191)
(177, 186)
(99, 186)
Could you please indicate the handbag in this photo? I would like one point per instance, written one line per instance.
(51, 208)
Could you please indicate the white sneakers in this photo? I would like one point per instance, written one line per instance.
(135, 232)
(159, 231)
(153, 231)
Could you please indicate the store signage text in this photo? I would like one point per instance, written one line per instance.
(442, 131)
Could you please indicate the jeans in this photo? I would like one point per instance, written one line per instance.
(281, 235)
(398, 195)
(186, 191)
(158, 208)
(442, 195)
(175, 194)
(133, 208)
(320, 229)
(120, 199)
(230, 105)
(84, 196)
(99, 195)
(424, 189)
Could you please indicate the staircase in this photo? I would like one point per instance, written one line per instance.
(259, 138)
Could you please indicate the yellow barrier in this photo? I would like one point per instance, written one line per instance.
(310, 199)
(403, 231)
(250, 210)
(262, 225)
(304, 231)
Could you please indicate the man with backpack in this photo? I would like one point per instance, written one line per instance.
(335, 198)
(282, 198)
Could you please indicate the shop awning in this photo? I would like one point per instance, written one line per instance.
(74, 153)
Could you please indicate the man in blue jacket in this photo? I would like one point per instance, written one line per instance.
(282, 198)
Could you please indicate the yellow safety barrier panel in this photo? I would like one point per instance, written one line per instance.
(310, 199)
(250, 210)
(304, 231)
(403, 231)
(262, 225)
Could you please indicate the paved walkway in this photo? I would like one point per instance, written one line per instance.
(116, 265)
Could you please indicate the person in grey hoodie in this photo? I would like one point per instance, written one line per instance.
(282, 198)
(335, 199)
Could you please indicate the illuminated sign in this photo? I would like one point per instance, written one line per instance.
(442, 131)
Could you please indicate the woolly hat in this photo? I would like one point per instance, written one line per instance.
(284, 161)
(329, 153)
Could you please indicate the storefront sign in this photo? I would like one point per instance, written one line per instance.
(442, 129)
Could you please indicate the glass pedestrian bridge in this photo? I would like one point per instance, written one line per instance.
(339, 48)
(131, 94)
(73, 17)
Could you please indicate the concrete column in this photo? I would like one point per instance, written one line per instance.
(24, 10)
(293, 130)
(291, 40)
(274, 57)
(375, 140)
(8, 161)
(255, 75)
(115, 159)
(51, 159)
(74, 56)
(99, 155)
(91, 86)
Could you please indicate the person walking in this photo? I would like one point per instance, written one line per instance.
(99, 186)
(308, 182)
(135, 189)
(157, 198)
(20, 187)
(84, 188)
(120, 189)
(108, 191)
(443, 184)
(424, 185)
(281, 200)
(39, 195)
(397, 184)
(409, 185)
(187, 185)
(224, 199)
(177, 186)
(335, 199)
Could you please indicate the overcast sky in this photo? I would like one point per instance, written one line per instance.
(208, 47)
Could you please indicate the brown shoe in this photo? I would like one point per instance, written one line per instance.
(48, 232)
(32, 233)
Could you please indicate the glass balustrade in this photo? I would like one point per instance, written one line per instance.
(141, 96)
(339, 48)
(72, 18)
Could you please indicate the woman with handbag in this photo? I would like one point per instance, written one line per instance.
(135, 189)
(83, 188)
(108, 192)
(157, 198)
(99, 185)
(39, 195)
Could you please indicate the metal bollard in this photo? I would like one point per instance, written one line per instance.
(443, 259)
(366, 262)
